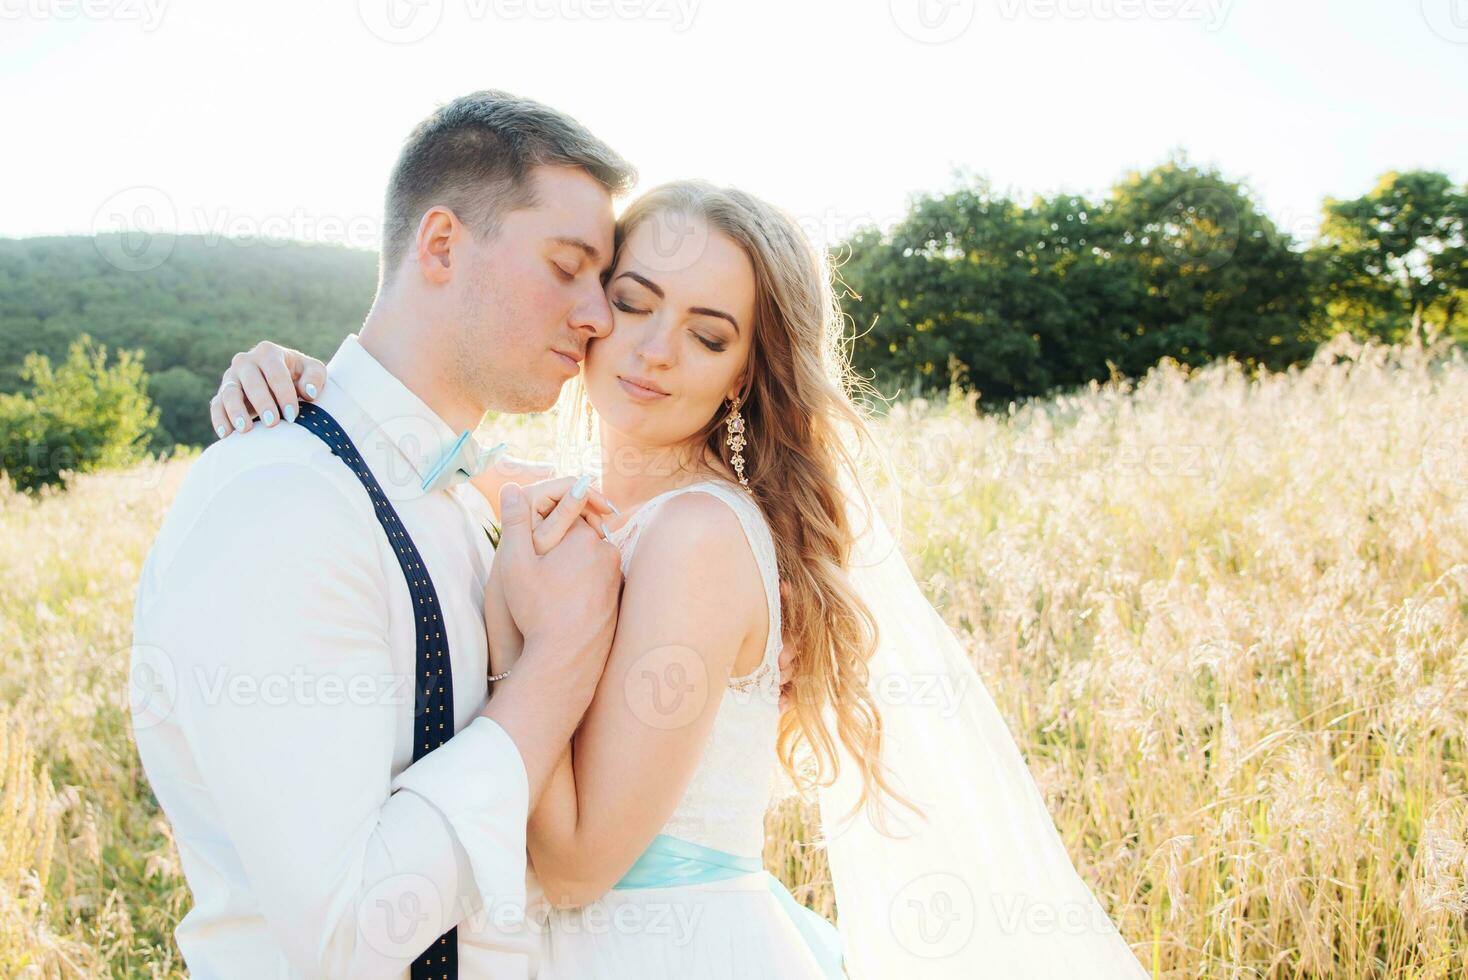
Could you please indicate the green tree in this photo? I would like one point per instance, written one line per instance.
(182, 398)
(1013, 300)
(1395, 257)
(84, 415)
(1215, 277)
(945, 297)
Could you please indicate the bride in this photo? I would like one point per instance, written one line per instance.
(727, 433)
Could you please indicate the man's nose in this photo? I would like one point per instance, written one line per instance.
(593, 314)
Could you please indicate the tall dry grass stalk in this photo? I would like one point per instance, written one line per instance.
(1226, 619)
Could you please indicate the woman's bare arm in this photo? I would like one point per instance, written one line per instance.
(693, 609)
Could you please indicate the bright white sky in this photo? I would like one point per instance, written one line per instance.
(283, 118)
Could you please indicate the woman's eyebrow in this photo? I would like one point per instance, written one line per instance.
(658, 291)
(635, 277)
(705, 311)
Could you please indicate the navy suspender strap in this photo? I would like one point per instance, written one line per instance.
(433, 687)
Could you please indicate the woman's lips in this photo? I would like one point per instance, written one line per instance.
(639, 392)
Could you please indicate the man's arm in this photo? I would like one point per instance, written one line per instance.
(289, 698)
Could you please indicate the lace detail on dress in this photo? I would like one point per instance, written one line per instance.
(724, 805)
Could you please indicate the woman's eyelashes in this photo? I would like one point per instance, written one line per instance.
(717, 346)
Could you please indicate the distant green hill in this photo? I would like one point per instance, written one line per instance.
(205, 299)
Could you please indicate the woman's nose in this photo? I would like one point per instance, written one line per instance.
(655, 346)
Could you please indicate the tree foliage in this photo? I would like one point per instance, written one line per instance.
(1395, 257)
(1013, 299)
(83, 415)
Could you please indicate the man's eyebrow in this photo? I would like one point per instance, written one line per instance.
(592, 252)
(705, 311)
(635, 277)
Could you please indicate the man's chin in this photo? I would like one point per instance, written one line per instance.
(541, 398)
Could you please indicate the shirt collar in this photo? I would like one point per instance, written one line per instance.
(402, 423)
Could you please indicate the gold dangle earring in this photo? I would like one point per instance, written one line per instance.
(735, 440)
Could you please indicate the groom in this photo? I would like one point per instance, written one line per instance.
(310, 617)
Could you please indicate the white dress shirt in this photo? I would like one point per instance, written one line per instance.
(273, 706)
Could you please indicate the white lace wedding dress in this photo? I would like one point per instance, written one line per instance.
(733, 928)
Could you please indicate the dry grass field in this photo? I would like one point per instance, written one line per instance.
(1226, 619)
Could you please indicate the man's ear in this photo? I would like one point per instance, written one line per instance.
(438, 232)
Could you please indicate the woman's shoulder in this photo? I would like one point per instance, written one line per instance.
(696, 519)
(706, 523)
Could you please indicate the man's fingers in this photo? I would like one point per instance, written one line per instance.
(547, 493)
(515, 543)
(553, 528)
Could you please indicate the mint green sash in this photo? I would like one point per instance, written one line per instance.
(672, 861)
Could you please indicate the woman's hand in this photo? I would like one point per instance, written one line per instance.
(267, 382)
(555, 506)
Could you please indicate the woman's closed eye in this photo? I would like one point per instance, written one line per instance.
(712, 343)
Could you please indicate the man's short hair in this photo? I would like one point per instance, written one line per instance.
(475, 155)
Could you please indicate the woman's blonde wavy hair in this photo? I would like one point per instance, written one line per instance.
(805, 432)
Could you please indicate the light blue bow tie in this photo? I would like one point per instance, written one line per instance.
(460, 463)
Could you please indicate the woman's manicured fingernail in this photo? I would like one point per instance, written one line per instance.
(615, 509)
(268, 418)
(290, 413)
(220, 430)
(579, 489)
(310, 391)
(605, 534)
(239, 423)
